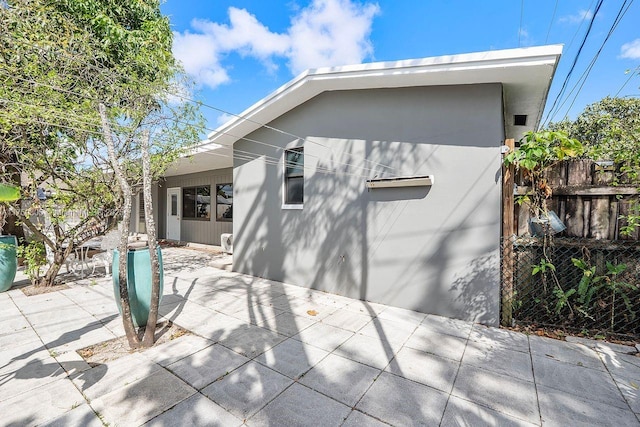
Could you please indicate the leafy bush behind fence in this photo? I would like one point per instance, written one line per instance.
(580, 285)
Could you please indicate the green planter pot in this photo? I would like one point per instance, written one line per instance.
(139, 283)
(8, 261)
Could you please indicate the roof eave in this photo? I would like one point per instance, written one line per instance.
(508, 67)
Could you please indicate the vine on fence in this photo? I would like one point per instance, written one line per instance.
(582, 289)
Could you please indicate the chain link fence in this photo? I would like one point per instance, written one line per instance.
(583, 286)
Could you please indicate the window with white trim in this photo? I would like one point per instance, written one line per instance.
(294, 176)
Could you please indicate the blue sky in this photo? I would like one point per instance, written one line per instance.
(237, 52)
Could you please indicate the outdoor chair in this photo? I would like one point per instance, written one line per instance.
(110, 241)
(107, 245)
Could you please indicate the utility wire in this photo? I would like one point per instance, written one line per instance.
(63, 113)
(585, 75)
(584, 18)
(631, 74)
(575, 61)
(251, 156)
(276, 129)
(69, 116)
(553, 16)
(244, 155)
(276, 147)
(200, 103)
(521, 16)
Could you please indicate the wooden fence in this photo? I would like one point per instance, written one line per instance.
(586, 200)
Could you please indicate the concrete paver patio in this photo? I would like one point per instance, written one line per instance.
(266, 353)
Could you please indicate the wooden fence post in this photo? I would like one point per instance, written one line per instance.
(507, 240)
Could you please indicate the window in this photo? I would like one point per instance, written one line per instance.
(174, 205)
(196, 202)
(294, 176)
(224, 202)
(142, 225)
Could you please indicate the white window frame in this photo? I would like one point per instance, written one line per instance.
(285, 205)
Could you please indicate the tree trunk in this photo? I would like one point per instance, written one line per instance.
(127, 320)
(60, 254)
(150, 330)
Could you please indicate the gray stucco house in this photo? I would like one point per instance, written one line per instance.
(376, 181)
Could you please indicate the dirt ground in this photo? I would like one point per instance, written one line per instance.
(113, 349)
(31, 290)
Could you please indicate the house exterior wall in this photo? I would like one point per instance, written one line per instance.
(195, 230)
(137, 222)
(432, 249)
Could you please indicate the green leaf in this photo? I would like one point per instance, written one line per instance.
(615, 269)
(9, 193)
(582, 265)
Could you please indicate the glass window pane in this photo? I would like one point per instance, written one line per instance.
(224, 202)
(141, 207)
(203, 202)
(142, 225)
(189, 203)
(174, 205)
(294, 163)
(295, 190)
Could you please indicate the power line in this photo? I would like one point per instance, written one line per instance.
(553, 15)
(276, 147)
(200, 103)
(69, 116)
(276, 129)
(521, 16)
(584, 18)
(631, 74)
(248, 155)
(64, 112)
(585, 75)
(58, 125)
(242, 155)
(575, 60)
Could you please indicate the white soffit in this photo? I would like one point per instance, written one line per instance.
(525, 73)
(200, 160)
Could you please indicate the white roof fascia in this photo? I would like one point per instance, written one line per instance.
(523, 70)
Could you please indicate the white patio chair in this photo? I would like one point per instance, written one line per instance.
(69, 263)
(107, 245)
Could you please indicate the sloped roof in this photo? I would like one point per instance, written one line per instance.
(525, 74)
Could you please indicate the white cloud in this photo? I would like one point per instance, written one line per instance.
(577, 18)
(223, 118)
(199, 56)
(524, 38)
(327, 32)
(331, 32)
(244, 32)
(631, 50)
